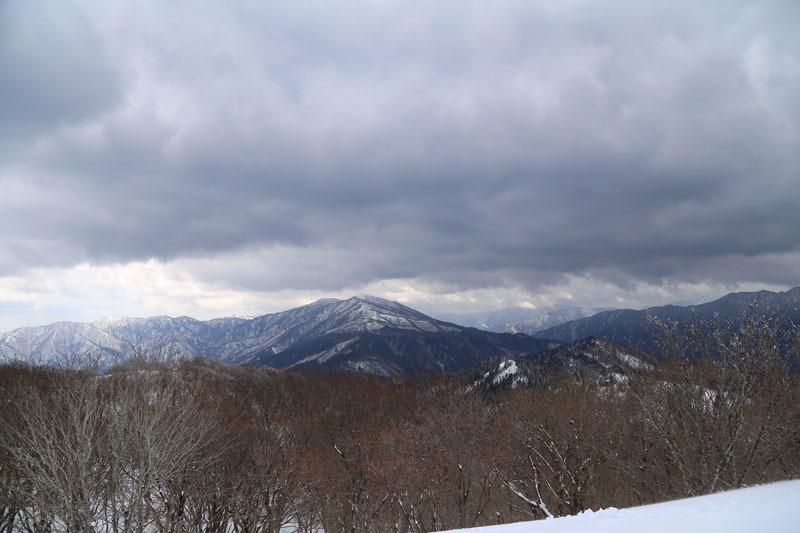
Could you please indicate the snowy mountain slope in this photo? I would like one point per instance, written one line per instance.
(272, 334)
(773, 508)
(358, 334)
(114, 338)
(393, 352)
(58, 341)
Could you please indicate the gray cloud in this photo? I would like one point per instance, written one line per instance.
(54, 71)
(454, 142)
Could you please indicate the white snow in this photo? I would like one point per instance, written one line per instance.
(506, 368)
(773, 508)
(622, 379)
(633, 362)
(326, 355)
(592, 357)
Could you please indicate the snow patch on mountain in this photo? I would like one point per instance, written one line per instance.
(505, 370)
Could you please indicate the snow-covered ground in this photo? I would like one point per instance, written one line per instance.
(765, 509)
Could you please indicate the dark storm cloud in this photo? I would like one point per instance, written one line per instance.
(53, 70)
(459, 142)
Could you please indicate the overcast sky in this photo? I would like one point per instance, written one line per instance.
(243, 157)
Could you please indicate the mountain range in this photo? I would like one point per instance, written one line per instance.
(364, 334)
(632, 327)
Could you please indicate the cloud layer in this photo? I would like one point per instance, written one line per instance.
(460, 146)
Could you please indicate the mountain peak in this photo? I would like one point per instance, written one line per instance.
(110, 319)
(325, 301)
(371, 299)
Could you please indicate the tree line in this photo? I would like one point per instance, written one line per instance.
(199, 446)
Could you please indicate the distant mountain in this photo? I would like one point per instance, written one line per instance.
(631, 327)
(365, 334)
(599, 359)
(496, 321)
(519, 319)
(554, 317)
(118, 338)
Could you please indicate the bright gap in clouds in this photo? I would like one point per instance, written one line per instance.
(89, 292)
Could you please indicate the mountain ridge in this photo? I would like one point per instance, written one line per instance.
(629, 326)
(382, 336)
(362, 333)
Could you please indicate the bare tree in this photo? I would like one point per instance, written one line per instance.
(720, 410)
(57, 449)
(190, 447)
(558, 457)
(160, 435)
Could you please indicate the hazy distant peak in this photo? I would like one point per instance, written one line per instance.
(519, 319)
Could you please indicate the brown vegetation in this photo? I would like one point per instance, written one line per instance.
(202, 447)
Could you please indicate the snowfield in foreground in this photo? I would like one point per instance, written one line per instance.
(767, 508)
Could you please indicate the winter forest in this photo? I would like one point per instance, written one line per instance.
(201, 446)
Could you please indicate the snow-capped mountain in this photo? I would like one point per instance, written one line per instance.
(358, 334)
